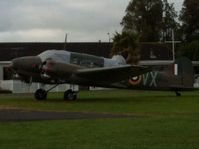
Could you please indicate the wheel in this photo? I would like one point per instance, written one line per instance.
(40, 94)
(178, 94)
(70, 95)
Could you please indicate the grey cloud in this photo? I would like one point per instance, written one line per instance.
(87, 20)
(48, 15)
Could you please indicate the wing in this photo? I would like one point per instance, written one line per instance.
(80, 75)
(111, 74)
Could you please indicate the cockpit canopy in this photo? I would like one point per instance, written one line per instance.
(58, 55)
(85, 60)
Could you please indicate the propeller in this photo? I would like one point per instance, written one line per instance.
(46, 67)
(10, 72)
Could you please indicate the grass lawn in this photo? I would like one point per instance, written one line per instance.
(168, 122)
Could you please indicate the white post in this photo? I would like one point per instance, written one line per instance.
(173, 44)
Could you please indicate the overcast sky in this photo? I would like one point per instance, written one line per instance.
(50, 20)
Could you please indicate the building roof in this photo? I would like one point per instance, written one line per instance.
(149, 51)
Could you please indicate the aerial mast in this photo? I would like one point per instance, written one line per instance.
(65, 42)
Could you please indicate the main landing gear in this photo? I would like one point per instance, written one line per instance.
(41, 94)
(70, 95)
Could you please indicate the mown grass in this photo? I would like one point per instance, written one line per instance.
(168, 122)
(117, 101)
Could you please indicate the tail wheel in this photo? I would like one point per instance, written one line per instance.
(178, 94)
(40, 94)
(70, 95)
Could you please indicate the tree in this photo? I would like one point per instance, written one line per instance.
(190, 50)
(126, 44)
(169, 21)
(189, 17)
(145, 17)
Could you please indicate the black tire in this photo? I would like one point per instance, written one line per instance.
(178, 94)
(40, 94)
(70, 95)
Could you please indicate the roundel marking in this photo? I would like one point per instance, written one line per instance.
(135, 80)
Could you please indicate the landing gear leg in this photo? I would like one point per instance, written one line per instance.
(178, 94)
(70, 95)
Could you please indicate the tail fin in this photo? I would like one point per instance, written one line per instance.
(183, 67)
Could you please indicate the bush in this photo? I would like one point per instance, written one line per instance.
(190, 50)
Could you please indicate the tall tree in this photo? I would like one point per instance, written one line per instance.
(150, 19)
(190, 17)
(145, 18)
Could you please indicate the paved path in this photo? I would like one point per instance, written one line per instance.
(12, 115)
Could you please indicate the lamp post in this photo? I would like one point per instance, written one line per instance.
(109, 38)
(172, 34)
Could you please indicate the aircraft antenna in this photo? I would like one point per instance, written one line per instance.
(65, 42)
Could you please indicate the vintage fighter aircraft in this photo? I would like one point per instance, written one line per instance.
(59, 67)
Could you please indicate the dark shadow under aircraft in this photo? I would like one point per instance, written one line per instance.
(59, 67)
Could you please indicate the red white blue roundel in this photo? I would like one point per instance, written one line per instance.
(135, 80)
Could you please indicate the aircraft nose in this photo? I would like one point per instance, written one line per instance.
(29, 63)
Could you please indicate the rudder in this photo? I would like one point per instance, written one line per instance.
(184, 68)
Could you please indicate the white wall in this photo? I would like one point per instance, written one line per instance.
(6, 85)
(1, 72)
(21, 87)
(196, 84)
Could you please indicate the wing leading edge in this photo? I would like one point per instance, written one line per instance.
(111, 74)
